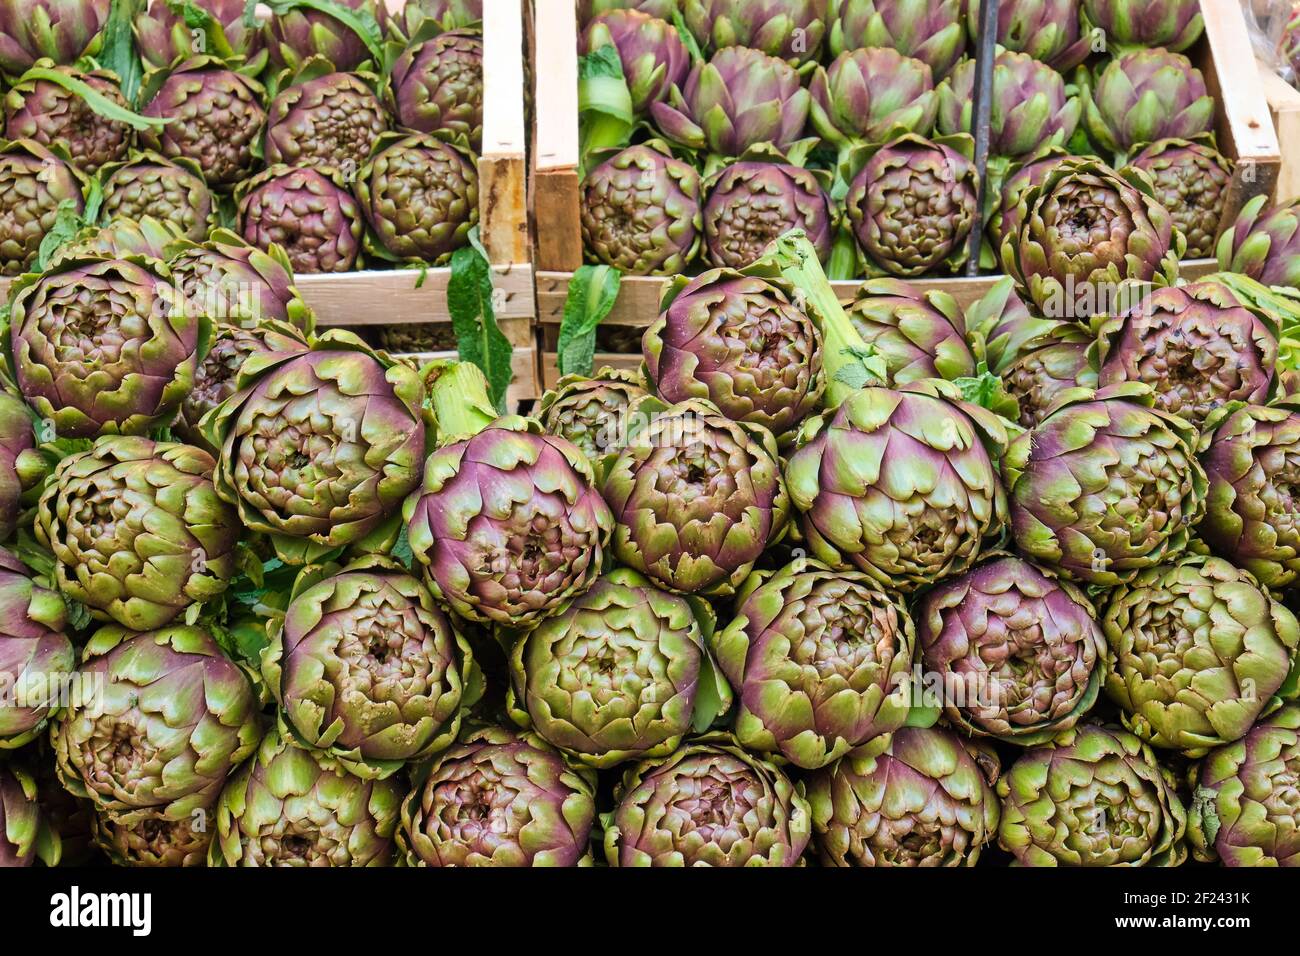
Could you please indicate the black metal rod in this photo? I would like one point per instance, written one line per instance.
(981, 110)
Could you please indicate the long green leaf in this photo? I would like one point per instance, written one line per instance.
(118, 52)
(473, 318)
(605, 118)
(593, 290)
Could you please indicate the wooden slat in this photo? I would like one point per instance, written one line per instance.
(1284, 105)
(555, 142)
(390, 297)
(503, 204)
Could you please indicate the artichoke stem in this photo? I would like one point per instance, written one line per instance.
(460, 402)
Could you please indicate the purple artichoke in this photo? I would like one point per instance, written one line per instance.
(162, 35)
(1191, 180)
(438, 85)
(932, 31)
(1264, 243)
(120, 239)
(661, 9)
(1048, 30)
(33, 183)
(1015, 189)
(21, 466)
(872, 96)
(150, 185)
(919, 334)
(61, 30)
(1137, 24)
(1147, 95)
(595, 413)
(327, 120)
(303, 32)
(790, 29)
(43, 110)
(239, 284)
(750, 203)
(309, 213)
(403, 25)
(35, 653)
(653, 55)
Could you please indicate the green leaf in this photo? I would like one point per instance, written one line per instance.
(688, 38)
(478, 337)
(196, 18)
(988, 391)
(118, 52)
(593, 290)
(867, 369)
(96, 100)
(402, 549)
(68, 222)
(605, 118)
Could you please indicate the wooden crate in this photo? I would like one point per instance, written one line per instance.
(1243, 130)
(1284, 106)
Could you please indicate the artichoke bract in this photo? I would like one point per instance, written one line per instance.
(40, 109)
(214, 114)
(595, 413)
(1048, 30)
(35, 653)
(1148, 95)
(653, 55)
(929, 30)
(21, 466)
(155, 840)
(25, 836)
(292, 807)
(33, 184)
(750, 203)
(169, 190)
(137, 530)
(60, 30)
(697, 498)
(710, 803)
(322, 117)
(620, 674)
(444, 14)
(1198, 652)
(790, 29)
(820, 662)
(871, 96)
(1251, 456)
(1198, 346)
(919, 334)
(508, 524)
(170, 718)
(302, 32)
(1015, 189)
(1105, 486)
(1191, 180)
(103, 346)
(640, 211)
(308, 212)
(900, 484)
(238, 284)
(748, 343)
(1175, 24)
(499, 798)
(119, 239)
(921, 797)
(913, 204)
(438, 86)
(163, 35)
(1263, 243)
(1240, 813)
(366, 667)
(1095, 798)
(319, 448)
(1019, 651)
(419, 196)
(587, 9)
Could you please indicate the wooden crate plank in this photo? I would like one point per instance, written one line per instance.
(386, 297)
(503, 203)
(558, 233)
(1284, 105)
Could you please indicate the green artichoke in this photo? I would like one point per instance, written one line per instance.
(747, 343)
(35, 653)
(595, 413)
(43, 110)
(155, 840)
(1095, 798)
(913, 204)
(917, 797)
(308, 212)
(1191, 180)
(1242, 813)
(170, 718)
(22, 467)
(790, 29)
(437, 86)
(653, 55)
(239, 284)
(750, 203)
(697, 499)
(1019, 652)
(499, 798)
(214, 117)
(25, 836)
(1147, 95)
(103, 346)
(292, 807)
(318, 448)
(1175, 24)
(61, 30)
(929, 30)
(1263, 243)
(710, 803)
(366, 667)
(302, 32)
(640, 211)
(163, 35)
(34, 183)
(1105, 486)
(820, 661)
(1048, 30)
(150, 185)
(321, 117)
(919, 334)
(419, 195)
(445, 15)
(871, 96)
(900, 484)
(1199, 650)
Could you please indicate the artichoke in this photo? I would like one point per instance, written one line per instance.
(1148, 95)
(919, 334)
(1198, 346)
(1018, 651)
(318, 448)
(170, 719)
(34, 183)
(35, 653)
(121, 239)
(69, 818)
(653, 55)
(913, 205)
(1241, 812)
(736, 100)
(43, 110)
(919, 798)
(744, 342)
(1085, 229)
(662, 9)
(1251, 456)
(820, 661)
(508, 524)
(596, 413)
(750, 203)
(1105, 485)
(697, 499)
(437, 86)
(25, 835)
(302, 32)
(1031, 109)
(239, 284)
(444, 15)
(308, 212)
(1175, 24)
(1048, 30)
(499, 798)
(419, 195)
(214, 117)
(163, 34)
(790, 29)
(900, 484)
(292, 807)
(872, 96)
(155, 840)
(1015, 189)
(21, 465)
(366, 667)
(620, 674)
(1263, 243)
(150, 185)
(1198, 651)
(103, 346)
(323, 118)
(60, 30)
(640, 211)
(710, 803)
(1191, 180)
(929, 30)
